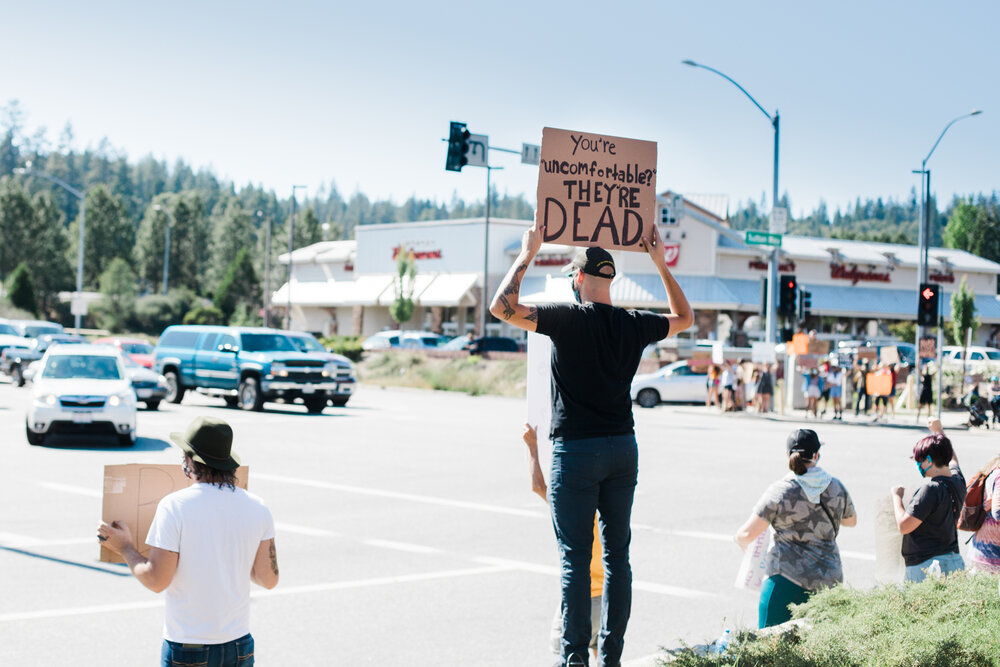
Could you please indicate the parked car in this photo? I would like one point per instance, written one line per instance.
(494, 344)
(140, 351)
(16, 353)
(150, 387)
(35, 328)
(45, 341)
(81, 389)
(411, 340)
(980, 359)
(7, 329)
(345, 376)
(245, 366)
(676, 382)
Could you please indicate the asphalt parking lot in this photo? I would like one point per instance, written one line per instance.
(407, 532)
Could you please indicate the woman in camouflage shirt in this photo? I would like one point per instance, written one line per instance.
(806, 509)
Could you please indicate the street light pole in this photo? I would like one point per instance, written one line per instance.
(291, 249)
(923, 235)
(773, 259)
(166, 244)
(26, 169)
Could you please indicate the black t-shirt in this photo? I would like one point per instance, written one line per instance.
(596, 350)
(936, 507)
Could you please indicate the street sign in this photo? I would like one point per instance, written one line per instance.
(530, 153)
(479, 146)
(763, 238)
(78, 306)
(779, 220)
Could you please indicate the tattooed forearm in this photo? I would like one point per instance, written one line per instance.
(515, 282)
(532, 315)
(508, 312)
(274, 559)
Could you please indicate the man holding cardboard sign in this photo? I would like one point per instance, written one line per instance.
(227, 538)
(596, 349)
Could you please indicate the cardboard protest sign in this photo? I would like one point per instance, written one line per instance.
(700, 359)
(596, 190)
(867, 354)
(132, 492)
(928, 348)
(889, 355)
(878, 384)
(818, 346)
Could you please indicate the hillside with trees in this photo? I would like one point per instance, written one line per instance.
(218, 230)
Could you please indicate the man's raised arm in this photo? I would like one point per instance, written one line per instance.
(681, 316)
(505, 304)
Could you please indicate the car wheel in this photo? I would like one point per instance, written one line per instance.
(126, 440)
(250, 395)
(175, 390)
(232, 401)
(16, 375)
(315, 405)
(338, 402)
(153, 405)
(648, 398)
(34, 438)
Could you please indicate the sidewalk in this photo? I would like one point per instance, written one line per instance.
(905, 419)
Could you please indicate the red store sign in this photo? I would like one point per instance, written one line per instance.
(761, 265)
(672, 252)
(935, 277)
(418, 254)
(552, 260)
(856, 275)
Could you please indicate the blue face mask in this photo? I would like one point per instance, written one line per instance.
(923, 471)
(573, 286)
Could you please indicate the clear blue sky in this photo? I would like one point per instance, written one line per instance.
(360, 93)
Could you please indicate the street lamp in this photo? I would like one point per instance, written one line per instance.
(924, 240)
(772, 262)
(27, 170)
(291, 248)
(166, 243)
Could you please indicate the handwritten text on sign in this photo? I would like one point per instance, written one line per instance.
(596, 189)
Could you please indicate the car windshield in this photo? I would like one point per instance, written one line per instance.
(36, 330)
(8, 330)
(267, 343)
(137, 348)
(993, 355)
(127, 361)
(82, 367)
(307, 344)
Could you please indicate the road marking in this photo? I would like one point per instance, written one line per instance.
(857, 555)
(432, 500)
(70, 488)
(649, 587)
(305, 530)
(402, 546)
(289, 590)
(15, 540)
(717, 537)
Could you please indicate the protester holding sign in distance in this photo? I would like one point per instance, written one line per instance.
(596, 349)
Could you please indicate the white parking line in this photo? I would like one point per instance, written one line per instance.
(304, 530)
(401, 546)
(70, 488)
(432, 500)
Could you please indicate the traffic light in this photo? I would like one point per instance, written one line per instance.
(458, 144)
(805, 304)
(927, 304)
(786, 296)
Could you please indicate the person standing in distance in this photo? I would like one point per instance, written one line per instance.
(596, 349)
(226, 536)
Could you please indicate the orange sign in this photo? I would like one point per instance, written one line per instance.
(878, 384)
(595, 189)
(800, 343)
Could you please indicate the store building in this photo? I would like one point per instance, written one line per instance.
(857, 287)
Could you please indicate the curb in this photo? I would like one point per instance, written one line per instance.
(801, 419)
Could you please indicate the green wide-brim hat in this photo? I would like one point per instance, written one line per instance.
(208, 441)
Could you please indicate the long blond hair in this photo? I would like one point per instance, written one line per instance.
(993, 464)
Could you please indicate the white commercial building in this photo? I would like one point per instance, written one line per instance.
(346, 287)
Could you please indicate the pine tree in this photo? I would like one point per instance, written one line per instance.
(21, 289)
(232, 231)
(108, 234)
(238, 286)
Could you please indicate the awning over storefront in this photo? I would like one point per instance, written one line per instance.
(366, 290)
(422, 282)
(450, 290)
(313, 293)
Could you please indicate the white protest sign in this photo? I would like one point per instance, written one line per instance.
(752, 573)
(889, 565)
(539, 395)
(763, 352)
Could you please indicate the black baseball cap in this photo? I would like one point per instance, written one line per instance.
(594, 262)
(804, 441)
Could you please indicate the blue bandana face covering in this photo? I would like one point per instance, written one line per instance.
(923, 472)
(576, 290)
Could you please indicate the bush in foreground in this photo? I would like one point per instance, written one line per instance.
(952, 622)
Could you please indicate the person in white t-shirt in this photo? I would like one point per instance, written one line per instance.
(225, 535)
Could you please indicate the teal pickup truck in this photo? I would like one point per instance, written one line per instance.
(248, 367)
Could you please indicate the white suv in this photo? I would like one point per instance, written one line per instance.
(81, 389)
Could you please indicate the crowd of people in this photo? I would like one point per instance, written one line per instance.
(741, 385)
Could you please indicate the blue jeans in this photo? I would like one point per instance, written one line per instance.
(588, 475)
(237, 653)
(949, 563)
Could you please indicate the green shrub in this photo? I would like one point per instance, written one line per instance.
(205, 315)
(349, 346)
(949, 622)
(21, 289)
